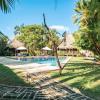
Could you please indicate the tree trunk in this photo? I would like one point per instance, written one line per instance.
(54, 44)
(56, 54)
(95, 45)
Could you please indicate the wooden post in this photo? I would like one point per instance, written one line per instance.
(15, 51)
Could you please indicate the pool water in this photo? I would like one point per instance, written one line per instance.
(44, 60)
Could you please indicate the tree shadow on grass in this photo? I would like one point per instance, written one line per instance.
(8, 77)
(71, 75)
(91, 92)
(89, 72)
(86, 74)
(71, 67)
(82, 65)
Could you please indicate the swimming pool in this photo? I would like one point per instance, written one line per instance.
(44, 60)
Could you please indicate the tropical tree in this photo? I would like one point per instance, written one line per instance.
(7, 5)
(4, 48)
(30, 35)
(34, 37)
(88, 19)
(55, 44)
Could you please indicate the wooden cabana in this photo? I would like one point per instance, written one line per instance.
(67, 45)
(18, 46)
(20, 49)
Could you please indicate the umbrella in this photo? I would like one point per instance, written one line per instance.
(21, 48)
(46, 48)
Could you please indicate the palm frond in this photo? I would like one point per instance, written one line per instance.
(2, 36)
(7, 5)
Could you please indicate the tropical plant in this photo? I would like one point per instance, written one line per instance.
(50, 36)
(7, 5)
(4, 48)
(34, 37)
(88, 19)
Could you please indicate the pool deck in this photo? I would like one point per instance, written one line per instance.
(29, 67)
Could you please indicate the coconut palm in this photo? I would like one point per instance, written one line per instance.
(6, 5)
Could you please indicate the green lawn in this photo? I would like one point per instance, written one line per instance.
(79, 73)
(9, 77)
(82, 74)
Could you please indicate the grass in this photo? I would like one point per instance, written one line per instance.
(79, 72)
(82, 74)
(11, 77)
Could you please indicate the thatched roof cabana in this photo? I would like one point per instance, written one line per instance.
(67, 44)
(16, 44)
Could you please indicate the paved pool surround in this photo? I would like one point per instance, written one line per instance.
(30, 67)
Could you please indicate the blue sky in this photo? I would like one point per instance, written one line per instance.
(30, 12)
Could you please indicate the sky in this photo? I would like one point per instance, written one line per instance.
(29, 12)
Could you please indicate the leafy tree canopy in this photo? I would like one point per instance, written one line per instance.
(35, 37)
(88, 19)
(4, 45)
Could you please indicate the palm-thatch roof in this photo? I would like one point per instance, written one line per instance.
(16, 44)
(67, 42)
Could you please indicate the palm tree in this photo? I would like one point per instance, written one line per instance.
(6, 5)
(88, 12)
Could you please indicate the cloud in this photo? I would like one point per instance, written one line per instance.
(59, 27)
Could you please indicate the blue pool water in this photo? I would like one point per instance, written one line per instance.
(44, 60)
